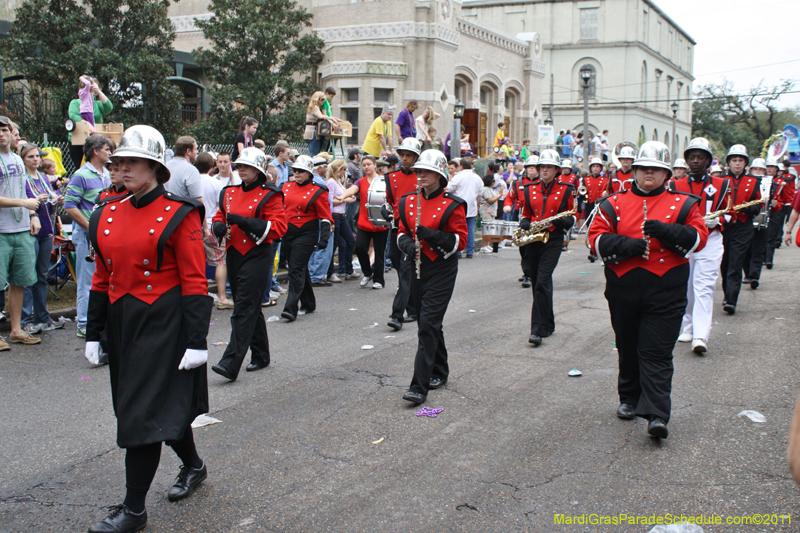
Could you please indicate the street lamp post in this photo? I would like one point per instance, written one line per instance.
(455, 132)
(674, 107)
(586, 75)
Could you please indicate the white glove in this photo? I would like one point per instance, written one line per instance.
(93, 352)
(712, 223)
(193, 359)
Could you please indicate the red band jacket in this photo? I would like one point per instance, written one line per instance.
(544, 201)
(744, 189)
(261, 206)
(783, 192)
(398, 184)
(619, 220)
(620, 180)
(441, 212)
(514, 197)
(363, 222)
(712, 191)
(112, 192)
(595, 187)
(305, 202)
(148, 247)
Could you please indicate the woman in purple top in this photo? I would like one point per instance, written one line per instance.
(343, 233)
(35, 316)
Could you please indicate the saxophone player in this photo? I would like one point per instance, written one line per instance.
(544, 199)
(647, 271)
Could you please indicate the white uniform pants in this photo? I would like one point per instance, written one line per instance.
(703, 272)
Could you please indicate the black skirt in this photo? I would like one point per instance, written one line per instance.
(153, 400)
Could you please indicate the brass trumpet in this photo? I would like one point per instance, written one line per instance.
(538, 230)
(582, 190)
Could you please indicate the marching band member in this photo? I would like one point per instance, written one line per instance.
(622, 178)
(756, 252)
(515, 202)
(782, 195)
(679, 169)
(597, 188)
(308, 213)
(644, 236)
(543, 199)
(149, 291)
(250, 217)
(367, 231)
(703, 264)
(398, 184)
(442, 232)
(117, 187)
(737, 232)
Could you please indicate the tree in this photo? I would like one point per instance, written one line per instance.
(722, 115)
(260, 64)
(122, 43)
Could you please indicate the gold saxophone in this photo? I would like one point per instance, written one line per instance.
(715, 214)
(748, 204)
(538, 230)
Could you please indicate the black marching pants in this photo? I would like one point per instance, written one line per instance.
(433, 293)
(542, 260)
(248, 276)
(378, 239)
(775, 233)
(646, 313)
(406, 273)
(300, 243)
(754, 257)
(524, 262)
(736, 239)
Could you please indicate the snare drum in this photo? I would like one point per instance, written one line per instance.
(508, 229)
(493, 230)
(376, 198)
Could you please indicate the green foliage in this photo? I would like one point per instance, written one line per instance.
(121, 43)
(727, 118)
(261, 65)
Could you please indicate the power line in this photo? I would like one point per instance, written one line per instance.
(694, 99)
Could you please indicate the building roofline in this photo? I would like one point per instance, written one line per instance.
(487, 3)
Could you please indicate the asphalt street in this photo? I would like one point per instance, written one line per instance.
(321, 441)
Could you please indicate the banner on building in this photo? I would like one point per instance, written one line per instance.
(546, 136)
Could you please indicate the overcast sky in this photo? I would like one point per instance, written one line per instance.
(739, 34)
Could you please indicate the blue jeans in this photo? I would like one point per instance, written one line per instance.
(346, 242)
(314, 145)
(34, 301)
(84, 270)
(470, 249)
(320, 261)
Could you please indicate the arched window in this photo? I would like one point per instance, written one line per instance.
(642, 135)
(655, 134)
(592, 81)
(666, 139)
(644, 82)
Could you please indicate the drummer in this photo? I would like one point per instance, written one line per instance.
(368, 232)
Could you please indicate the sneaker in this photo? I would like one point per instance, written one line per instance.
(685, 337)
(281, 290)
(25, 338)
(3, 316)
(365, 281)
(699, 346)
(81, 333)
(274, 295)
(4, 347)
(333, 278)
(32, 328)
(377, 285)
(348, 277)
(50, 326)
(486, 250)
(356, 264)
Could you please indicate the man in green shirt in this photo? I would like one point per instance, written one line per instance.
(330, 92)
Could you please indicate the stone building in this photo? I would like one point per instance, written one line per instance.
(641, 63)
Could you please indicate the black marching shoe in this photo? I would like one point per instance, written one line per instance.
(625, 411)
(188, 479)
(591, 258)
(395, 324)
(745, 281)
(768, 265)
(657, 428)
(729, 308)
(526, 283)
(121, 520)
(288, 316)
(522, 279)
(253, 367)
(437, 383)
(410, 318)
(536, 340)
(414, 397)
(754, 284)
(223, 372)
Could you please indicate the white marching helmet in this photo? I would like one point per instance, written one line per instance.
(433, 160)
(567, 163)
(781, 166)
(303, 163)
(410, 144)
(654, 154)
(737, 150)
(627, 152)
(596, 161)
(532, 161)
(680, 163)
(715, 168)
(772, 161)
(253, 157)
(758, 163)
(549, 157)
(698, 143)
(145, 142)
